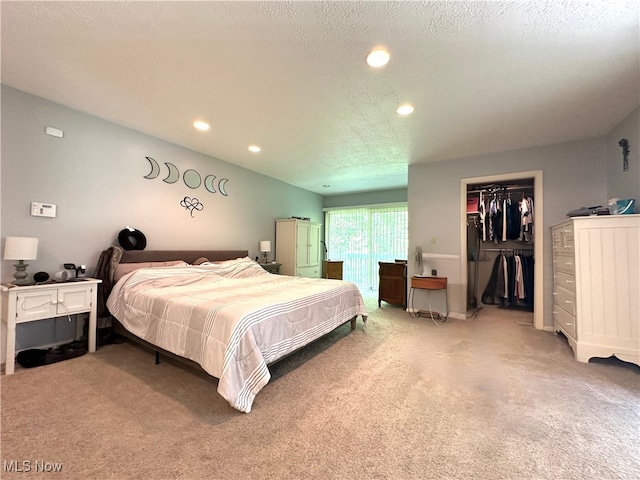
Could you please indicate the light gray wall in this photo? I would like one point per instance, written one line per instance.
(368, 198)
(95, 176)
(622, 184)
(574, 175)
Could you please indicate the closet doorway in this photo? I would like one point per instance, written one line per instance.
(472, 255)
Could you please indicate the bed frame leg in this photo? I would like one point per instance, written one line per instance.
(157, 358)
(353, 323)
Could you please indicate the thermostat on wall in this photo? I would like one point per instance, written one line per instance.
(43, 209)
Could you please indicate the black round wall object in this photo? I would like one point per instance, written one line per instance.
(41, 277)
(132, 239)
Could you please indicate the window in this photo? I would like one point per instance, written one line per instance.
(363, 236)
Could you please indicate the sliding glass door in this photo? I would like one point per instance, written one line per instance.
(363, 236)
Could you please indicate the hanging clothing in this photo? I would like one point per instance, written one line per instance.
(511, 282)
(482, 213)
(526, 219)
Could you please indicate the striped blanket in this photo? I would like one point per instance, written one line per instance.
(233, 317)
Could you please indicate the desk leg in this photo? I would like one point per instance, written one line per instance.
(9, 366)
(447, 290)
(93, 320)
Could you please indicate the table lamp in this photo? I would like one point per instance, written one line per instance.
(265, 248)
(21, 249)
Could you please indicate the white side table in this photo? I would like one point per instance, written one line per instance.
(30, 303)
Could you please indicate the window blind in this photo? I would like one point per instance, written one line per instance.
(363, 236)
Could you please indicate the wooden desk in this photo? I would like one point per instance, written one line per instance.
(430, 283)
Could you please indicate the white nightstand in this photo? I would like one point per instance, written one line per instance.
(37, 302)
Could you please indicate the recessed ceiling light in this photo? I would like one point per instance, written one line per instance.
(200, 125)
(254, 148)
(405, 109)
(378, 57)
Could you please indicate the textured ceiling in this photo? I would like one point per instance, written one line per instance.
(291, 77)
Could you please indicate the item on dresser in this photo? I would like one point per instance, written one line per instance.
(595, 288)
(268, 318)
(587, 211)
(41, 277)
(20, 249)
(265, 248)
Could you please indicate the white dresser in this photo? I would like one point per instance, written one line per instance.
(29, 303)
(298, 248)
(596, 289)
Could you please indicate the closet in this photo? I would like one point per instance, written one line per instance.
(500, 248)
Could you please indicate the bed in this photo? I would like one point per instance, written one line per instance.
(223, 311)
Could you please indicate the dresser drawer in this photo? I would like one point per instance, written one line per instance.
(564, 263)
(563, 242)
(565, 280)
(564, 320)
(309, 272)
(565, 299)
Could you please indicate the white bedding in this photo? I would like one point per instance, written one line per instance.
(233, 318)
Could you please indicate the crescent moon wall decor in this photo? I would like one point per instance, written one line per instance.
(174, 173)
(208, 183)
(221, 186)
(155, 168)
(191, 179)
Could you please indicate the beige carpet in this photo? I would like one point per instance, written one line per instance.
(485, 398)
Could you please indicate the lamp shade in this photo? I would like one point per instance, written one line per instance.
(21, 248)
(265, 245)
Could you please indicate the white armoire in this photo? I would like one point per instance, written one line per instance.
(596, 287)
(298, 247)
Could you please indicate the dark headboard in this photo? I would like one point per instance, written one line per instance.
(189, 256)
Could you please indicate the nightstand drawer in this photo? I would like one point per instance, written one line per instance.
(36, 305)
(271, 267)
(429, 283)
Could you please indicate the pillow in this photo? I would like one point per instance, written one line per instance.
(200, 261)
(123, 268)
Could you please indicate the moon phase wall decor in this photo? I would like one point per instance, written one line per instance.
(191, 178)
(155, 169)
(174, 173)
